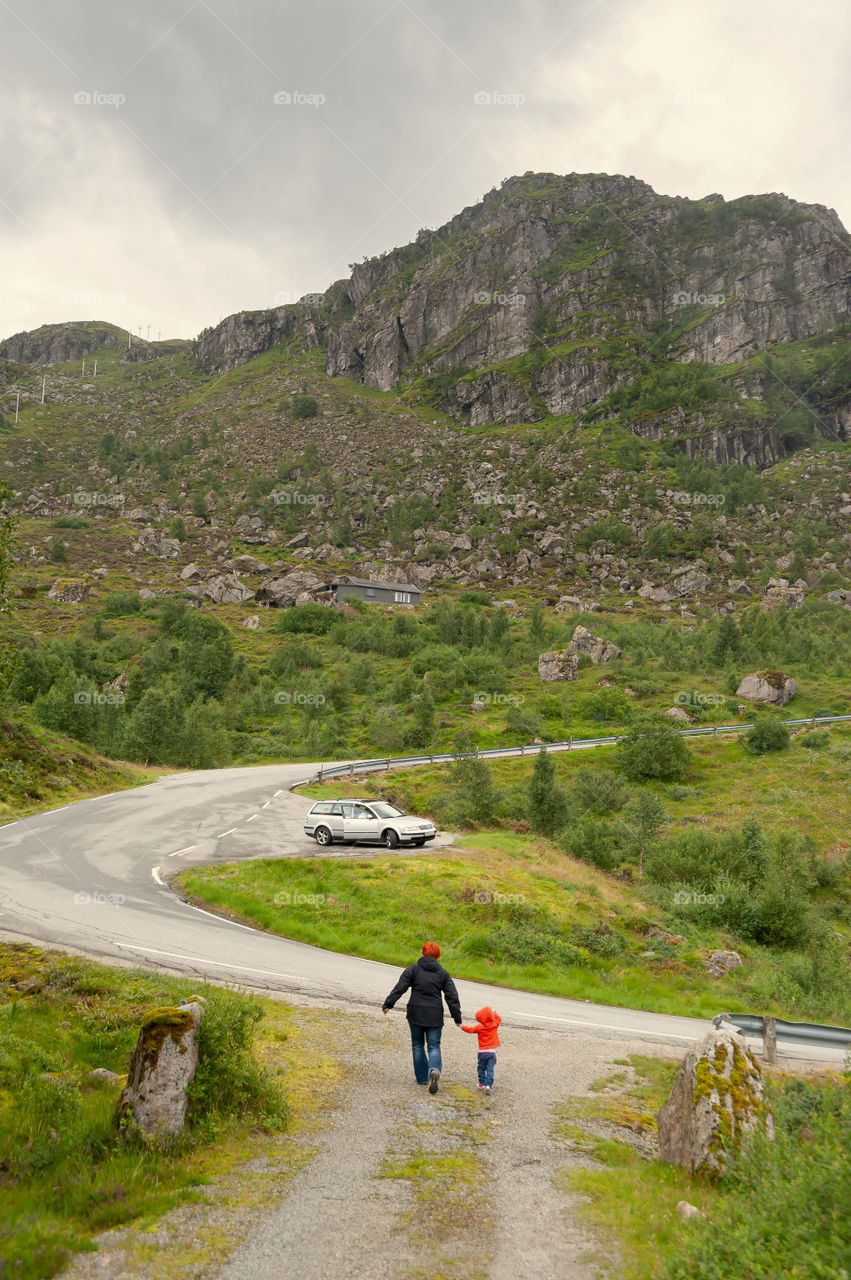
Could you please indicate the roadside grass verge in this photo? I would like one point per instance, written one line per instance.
(65, 1172)
(780, 1212)
(40, 769)
(507, 908)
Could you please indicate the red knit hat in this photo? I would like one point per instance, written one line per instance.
(431, 949)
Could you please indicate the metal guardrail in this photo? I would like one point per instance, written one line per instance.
(532, 748)
(808, 1033)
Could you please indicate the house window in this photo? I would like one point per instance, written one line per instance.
(402, 597)
(370, 591)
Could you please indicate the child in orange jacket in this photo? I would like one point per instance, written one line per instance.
(487, 1022)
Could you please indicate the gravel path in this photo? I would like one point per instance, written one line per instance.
(391, 1182)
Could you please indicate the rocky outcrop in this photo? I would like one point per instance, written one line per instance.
(560, 664)
(161, 1069)
(781, 594)
(767, 686)
(594, 647)
(283, 592)
(157, 544)
(717, 963)
(717, 1098)
(505, 313)
(249, 333)
(60, 343)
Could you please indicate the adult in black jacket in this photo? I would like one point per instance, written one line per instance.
(430, 985)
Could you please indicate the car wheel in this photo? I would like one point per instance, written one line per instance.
(323, 836)
(420, 842)
(391, 839)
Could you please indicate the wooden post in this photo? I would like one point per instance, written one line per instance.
(319, 779)
(431, 759)
(769, 1039)
(389, 758)
(352, 769)
(522, 748)
(570, 743)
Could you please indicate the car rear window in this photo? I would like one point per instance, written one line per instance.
(323, 806)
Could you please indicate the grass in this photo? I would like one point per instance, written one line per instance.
(779, 1214)
(65, 1173)
(40, 770)
(507, 908)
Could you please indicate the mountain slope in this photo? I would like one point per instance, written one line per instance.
(592, 296)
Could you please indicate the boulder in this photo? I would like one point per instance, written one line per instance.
(252, 623)
(767, 686)
(227, 589)
(560, 664)
(161, 1069)
(249, 564)
(190, 573)
(656, 595)
(69, 591)
(596, 648)
(282, 592)
(679, 713)
(840, 596)
(146, 594)
(690, 582)
(717, 963)
(717, 1097)
(300, 540)
(779, 594)
(156, 544)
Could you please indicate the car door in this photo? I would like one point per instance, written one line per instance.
(336, 822)
(362, 825)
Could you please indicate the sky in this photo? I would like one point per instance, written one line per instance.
(165, 164)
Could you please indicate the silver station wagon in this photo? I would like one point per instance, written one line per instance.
(366, 822)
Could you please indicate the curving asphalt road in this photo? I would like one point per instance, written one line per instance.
(92, 877)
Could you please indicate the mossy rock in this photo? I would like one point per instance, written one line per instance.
(718, 1096)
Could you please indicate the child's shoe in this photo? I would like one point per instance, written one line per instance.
(486, 1088)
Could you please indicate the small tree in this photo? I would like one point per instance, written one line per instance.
(177, 529)
(56, 551)
(653, 748)
(646, 817)
(546, 800)
(199, 505)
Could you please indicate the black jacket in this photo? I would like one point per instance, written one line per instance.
(429, 983)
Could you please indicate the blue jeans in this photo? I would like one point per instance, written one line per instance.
(486, 1064)
(425, 1043)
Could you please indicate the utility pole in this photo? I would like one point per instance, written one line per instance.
(95, 374)
(129, 339)
(17, 403)
(43, 385)
(148, 334)
(83, 371)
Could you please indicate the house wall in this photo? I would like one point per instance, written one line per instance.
(382, 594)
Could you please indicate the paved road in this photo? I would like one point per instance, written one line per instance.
(92, 877)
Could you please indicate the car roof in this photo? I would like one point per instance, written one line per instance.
(351, 800)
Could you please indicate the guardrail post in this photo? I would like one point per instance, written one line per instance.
(769, 1039)
(389, 758)
(814, 723)
(522, 748)
(477, 750)
(352, 769)
(431, 759)
(319, 776)
(570, 743)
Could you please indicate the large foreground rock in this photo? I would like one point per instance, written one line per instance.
(767, 686)
(161, 1070)
(227, 589)
(717, 1097)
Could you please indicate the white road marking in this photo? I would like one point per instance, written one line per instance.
(266, 805)
(278, 793)
(155, 872)
(220, 964)
(253, 816)
(226, 833)
(603, 1026)
(213, 916)
(188, 849)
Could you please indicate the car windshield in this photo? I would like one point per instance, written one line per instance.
(388, 810)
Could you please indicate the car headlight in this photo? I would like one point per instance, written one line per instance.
(411, 830)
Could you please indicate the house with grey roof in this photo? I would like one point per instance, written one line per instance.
(375, 592)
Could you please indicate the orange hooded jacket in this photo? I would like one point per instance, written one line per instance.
(487, 1022)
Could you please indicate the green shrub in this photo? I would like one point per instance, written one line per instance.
(766, 735)
(653, 748)
(307, 619)
(118, 604)
(817, 740)
(69, 522)
(230, 1083)
(303, 406)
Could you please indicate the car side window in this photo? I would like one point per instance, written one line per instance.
(347, 810)
(324, 806)
(361, 811)
(337, 810)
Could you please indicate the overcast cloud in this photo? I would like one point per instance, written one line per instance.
(181, 191)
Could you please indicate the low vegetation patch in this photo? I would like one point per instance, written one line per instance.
(66, 1172)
